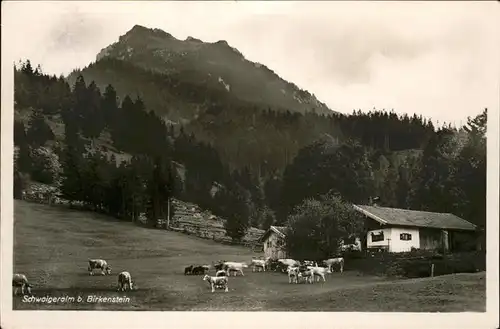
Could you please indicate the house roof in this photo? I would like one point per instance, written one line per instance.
(279, 230)
(404, 217)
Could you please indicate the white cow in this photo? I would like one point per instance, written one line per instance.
(234, 266)
(319, 272)
(259, 263)
(219, 282)
(21, 281)
(293, 273)
(99, 264)
(289, 262)
(333, 261)
(125, 281)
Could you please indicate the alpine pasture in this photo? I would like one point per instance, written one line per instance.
(52, 246)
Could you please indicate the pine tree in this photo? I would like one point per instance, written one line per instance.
(109, 107)
(159, 191)
(72, 184)
(237, 223)
(93, 115)
(73, 165)
(39, 131)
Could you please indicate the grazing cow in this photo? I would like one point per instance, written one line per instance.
(319, 272)
(308, 275)
(259, 263)
(20, 281)
(219, 282)
(188, 270)
(293, 273)
(289, 262)
(221, 273)
(99, 264)
(283, 268)
(234, 266)
(125, 281)
(198, 270)
(206, 267)
(334, 261)
(274, 265)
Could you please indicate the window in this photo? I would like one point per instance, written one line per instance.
(378, 237)
(269, 244)
(405, 236)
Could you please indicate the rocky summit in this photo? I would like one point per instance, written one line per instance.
(180, 79)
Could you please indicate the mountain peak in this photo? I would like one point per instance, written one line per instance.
(222, 43)
(190, 38)
(207, 67)
(142, 31)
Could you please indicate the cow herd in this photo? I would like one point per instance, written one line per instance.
(297, 271)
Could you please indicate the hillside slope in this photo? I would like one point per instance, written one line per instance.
(52, 245)
(178, 79)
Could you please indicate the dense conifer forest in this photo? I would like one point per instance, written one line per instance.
(250, 164)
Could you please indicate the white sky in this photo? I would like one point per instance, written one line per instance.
(438, 59)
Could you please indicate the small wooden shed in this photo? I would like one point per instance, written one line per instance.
(274, 242)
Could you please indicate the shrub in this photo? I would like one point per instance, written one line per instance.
(45, 166)
(415, 264)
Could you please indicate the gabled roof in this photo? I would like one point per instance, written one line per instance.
(279, 230)
(404, 217)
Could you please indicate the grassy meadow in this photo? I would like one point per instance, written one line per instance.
(52, 246)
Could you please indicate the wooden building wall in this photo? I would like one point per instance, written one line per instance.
(274, 246)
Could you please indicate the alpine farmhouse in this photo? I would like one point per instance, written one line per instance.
(400, 230)
(396, 230)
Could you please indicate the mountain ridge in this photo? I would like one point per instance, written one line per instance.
(200, 67)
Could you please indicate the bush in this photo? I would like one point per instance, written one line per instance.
(417, 264)
(354, 254)
(45, 166)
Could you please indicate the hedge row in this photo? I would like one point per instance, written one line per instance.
(416, 264)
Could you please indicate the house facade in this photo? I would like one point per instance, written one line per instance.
(400, 230)
(274, 242)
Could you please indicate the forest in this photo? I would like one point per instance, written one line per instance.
(404, 160)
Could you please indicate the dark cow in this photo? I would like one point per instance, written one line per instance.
(198, 270)
(273, 264)
(219, 265)
(303, 268)
(280, 267)
(188, 270)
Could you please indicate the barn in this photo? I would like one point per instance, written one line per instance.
(274, 242)
(400, 230)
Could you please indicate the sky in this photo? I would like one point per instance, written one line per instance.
(437, 59)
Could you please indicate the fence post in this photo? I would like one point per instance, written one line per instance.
(432, 269)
